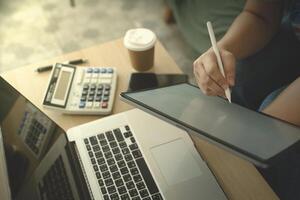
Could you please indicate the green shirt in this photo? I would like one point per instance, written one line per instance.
(191, 17)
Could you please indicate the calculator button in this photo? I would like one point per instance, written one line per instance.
(92, 93)
(89, 70)
(96, 104)
(104, 104)
(99, 93)
(103, 70)
(110, 70)
(85, 86)
(96, 70)
(82, 105)
(84, 92)
(98, 98)
(107, 87)
(100, 86)
(91, 98)
(93, 86)
(106, 93)
(105, 98)
(89, 104)
(83, 98)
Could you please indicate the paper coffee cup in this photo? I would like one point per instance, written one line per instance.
(140, 43)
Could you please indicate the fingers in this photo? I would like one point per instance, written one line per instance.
(228, 60)
(208, 75)
(205, 82)
(212, 69)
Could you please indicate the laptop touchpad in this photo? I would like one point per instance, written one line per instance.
(176, 162)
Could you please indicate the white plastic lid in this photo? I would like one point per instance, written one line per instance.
(139, 39)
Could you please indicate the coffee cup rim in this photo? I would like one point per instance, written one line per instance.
(134, 46)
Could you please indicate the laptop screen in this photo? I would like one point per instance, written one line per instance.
(27, 135)
(255, 136)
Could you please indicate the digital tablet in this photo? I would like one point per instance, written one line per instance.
(252, 135)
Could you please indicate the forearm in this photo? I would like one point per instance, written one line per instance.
(287, 105)
(252, 29)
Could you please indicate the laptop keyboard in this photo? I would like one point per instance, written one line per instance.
(55, 184)
(119, 166)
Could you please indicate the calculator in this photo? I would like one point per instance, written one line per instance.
(81, 90)
(35, 130)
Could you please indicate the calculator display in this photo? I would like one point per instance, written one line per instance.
(62, 86)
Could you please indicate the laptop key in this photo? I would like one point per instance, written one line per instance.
(100, 182)
(93, 140)
(152, 187)
(119, 182)
(103, 190)
(99, 154)
(125, 151)
(131, 164)
(137, 178)
(113, 144)
(122, 190)
(140, 185)
(134, 171)
(101, 136)
(93, 160)
(100, 161)
(123, 144)
(113, 168)
(95, 168)
(125, 197)
(127, 178)
(128, 157)
(116, 175)
(130, 185)
(118, 135)
(108, 155)
(103, 142)
(105, 148)
(103, 168)
(136, 198)
(110, 136)
(106, 197)
(111, 189)
(121, 164)
(116, 150)
(137, 154)
(144, 193)
(157, 197)
(109, 182)
(124, 170)
(114, 196)
(110, 161)
(118, 157)
(133, 146)
(98, 175)
(133, 192)
(91, 154)
(106, 174)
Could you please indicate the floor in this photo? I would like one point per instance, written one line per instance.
(35, 30)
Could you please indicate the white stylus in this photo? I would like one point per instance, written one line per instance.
(219, 60)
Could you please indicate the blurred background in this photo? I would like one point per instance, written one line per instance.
(36, 30)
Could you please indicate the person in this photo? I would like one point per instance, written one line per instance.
(261, 55)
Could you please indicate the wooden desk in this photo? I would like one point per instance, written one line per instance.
(239, 179)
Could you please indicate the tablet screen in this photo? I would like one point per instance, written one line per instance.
(247, 132)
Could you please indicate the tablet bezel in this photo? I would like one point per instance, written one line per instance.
(199, 133)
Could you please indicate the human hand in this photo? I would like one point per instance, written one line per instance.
(207, 73)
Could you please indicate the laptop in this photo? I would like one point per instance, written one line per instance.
(130, 155)
(259, 138)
